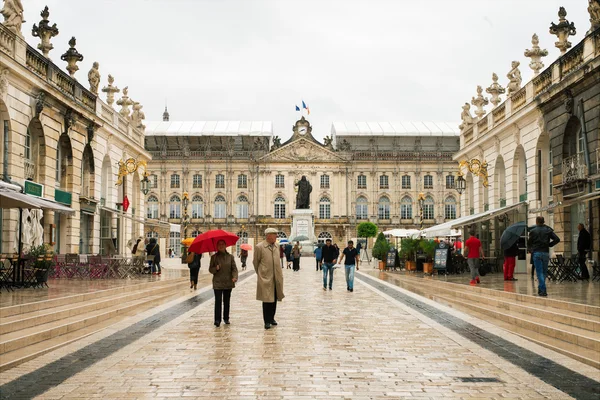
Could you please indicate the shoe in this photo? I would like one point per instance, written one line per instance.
(274, 323)
(324, 288)
(330, 289)
(513, 279)
(154, 273)
(351, 290)
(477, 279)
(347, 287)
(473, 282)
(192, 286)
(195, 287)
(217, 323)
(543, 294)
(267, 326)
(159, 273)
(226, 322)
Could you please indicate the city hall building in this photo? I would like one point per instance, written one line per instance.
(239, 176)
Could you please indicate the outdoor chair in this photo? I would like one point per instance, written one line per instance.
(98, 268)
(71, 265)
(6, 273)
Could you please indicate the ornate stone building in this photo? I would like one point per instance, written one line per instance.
(61, 143)
(239, 177)
(541, 143)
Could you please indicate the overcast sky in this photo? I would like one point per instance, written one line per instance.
(371, 60)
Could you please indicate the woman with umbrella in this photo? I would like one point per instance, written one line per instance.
(509, 241)
(244, 254)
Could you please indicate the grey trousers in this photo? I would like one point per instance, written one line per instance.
(474, 267)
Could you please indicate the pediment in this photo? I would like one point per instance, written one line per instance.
(303, 150)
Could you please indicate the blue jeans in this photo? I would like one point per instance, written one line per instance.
(540, 262)
(327, 268)
(350, 275)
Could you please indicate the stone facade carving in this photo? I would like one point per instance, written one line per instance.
(562, 30)
(594, 10)
(94, 77)
(303, 150)
(536, 53)
(70, 119)
(137, 116)
(466, 117)
(39, 104)
(72, 57)
(495, 90)
(45, 32)
(110, 90)
(4, 82)
(328, 143)
(569, 102)
(276, 143)
(91, 130)
(514, 77)
(125, 102)
(13, 15)
(345, 146)
(479, 102)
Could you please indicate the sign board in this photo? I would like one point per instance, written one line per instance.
(302, 227)
(441, 256)
(62, 197)
(391, 258)
(34, 189)
(125, 203)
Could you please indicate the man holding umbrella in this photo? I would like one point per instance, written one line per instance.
(269, 282)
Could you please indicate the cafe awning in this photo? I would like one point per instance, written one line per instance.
(567, 203)
(446, 229)
(14, 199)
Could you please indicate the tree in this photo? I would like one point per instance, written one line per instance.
(366, 230)
(381, 247)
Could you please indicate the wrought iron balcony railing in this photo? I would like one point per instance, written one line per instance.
(574, 169)
(29, 169)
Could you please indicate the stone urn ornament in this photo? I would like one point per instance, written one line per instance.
(479, 102)
(536, 53)
(125, 102)
(72, 57)
(495, 90)
(45, 32)
(563, 30)
(110, 90)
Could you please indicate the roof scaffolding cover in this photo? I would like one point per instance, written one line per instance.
(209, 128)
(350, 128)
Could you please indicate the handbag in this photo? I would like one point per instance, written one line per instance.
(190, 258)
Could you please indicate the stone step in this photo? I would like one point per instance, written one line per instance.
(67, 300)
(46, 315)
(14, 358)
(19, 339)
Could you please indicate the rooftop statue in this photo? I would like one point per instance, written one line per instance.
(94, 78)
(536, 54)
(467, 119)
(303, 195)
(514, 77)
(328, 142)
(137, 116)
(594, 10)
(563, 30)
(495, 90)
(13, 15)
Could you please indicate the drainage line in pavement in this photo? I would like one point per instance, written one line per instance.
(53, 374)
(562, 378)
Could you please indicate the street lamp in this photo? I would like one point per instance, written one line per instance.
(461, 183)
(145, 184)
(185, 201)
(421, 201)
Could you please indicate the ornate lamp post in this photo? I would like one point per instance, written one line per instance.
(421, 201)
(145, 184)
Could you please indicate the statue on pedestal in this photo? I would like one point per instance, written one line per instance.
(514, 78)
(303, 195)
(467, 118)
(94, 77)
(13, 15)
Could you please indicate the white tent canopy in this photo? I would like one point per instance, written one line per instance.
(401, 233)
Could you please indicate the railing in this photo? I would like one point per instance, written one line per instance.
(482, 125)
(542, 81)
(518, 99)
(29, 167)
(37, 63)
(107, 113)
(468, 135)
(573, 59)
(7, 40)
(499, 113)
(574, 169)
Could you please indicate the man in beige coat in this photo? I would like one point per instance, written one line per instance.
(269, 281)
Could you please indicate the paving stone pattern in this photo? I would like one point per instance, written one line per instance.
(328, 345)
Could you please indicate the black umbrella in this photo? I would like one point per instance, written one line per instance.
(512, 234)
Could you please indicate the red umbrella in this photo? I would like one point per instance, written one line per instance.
(208, 241)
(246, 246)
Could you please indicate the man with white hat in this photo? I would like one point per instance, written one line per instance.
(269, 281)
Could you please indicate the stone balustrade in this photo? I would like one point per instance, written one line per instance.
(7, 40)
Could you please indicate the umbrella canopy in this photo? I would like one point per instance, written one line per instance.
(300, 238)
(246, 246)
(187, 242)
(283, 241)
(208, 241)
(512, 234)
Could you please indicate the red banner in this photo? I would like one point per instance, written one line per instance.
(125, 203)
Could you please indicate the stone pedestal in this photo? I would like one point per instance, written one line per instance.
(303, 225)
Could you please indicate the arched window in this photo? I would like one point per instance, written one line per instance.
(152, 234)
(196, 233)
(175, 183)
(384, 208)
(428, 208)
(362, 206)
(323, 236)
(281, 235)
(324, 208)
(406, 211)
(279, 211)
(450, 208)
(197, 207)
(220, 181)
(242, 181)
(175, 207)
(175, 243)
(152, 207)
(220, 207)
(242, 207)
(243, 239)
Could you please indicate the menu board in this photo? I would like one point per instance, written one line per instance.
(441, 256)
(391, 258)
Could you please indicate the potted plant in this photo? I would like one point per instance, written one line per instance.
(41, 261)
(408, 248)
(366, 230)
(428, 247)
(380, 250)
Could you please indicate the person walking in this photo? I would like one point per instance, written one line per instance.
(351, 261)
(193, 262)
(584, 244)
(243, 258)
(225, 275)
(541, 238)
(510, 260)
(288, 255)
(296, 254)
(269, 281)
(473, 251)
(281, 254)
(329, 257)
(153, 251)
(318, 257)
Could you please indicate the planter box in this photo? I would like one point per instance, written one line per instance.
(411, 265)
(428, 268)
(381, 265)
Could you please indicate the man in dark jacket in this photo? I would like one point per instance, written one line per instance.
(329, 255)
(584, 244)
(541, 238)
(152, 249)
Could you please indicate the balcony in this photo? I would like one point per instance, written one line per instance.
(29, 167)
(574, 169)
